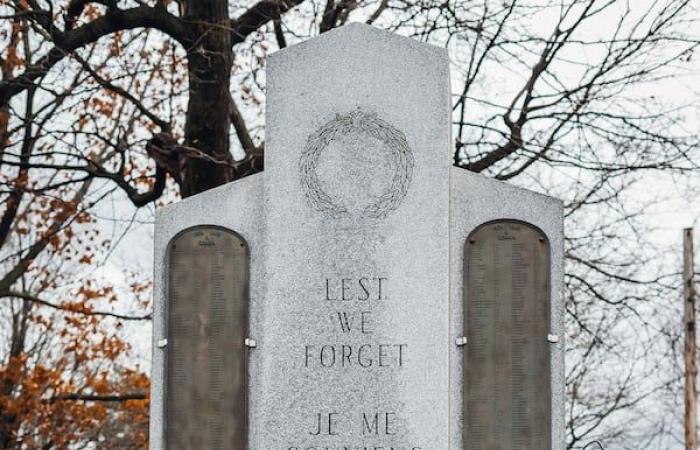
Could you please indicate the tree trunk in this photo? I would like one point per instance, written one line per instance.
(208, 119)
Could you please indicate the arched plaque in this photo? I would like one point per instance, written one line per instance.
(506, 389)
(207, 323)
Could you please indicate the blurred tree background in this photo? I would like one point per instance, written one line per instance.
(109, 108)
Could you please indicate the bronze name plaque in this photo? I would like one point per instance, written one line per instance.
(207, 322)
(506, 389)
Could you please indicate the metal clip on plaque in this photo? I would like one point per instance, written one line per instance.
(250, 343)
(162, 343)
(552, 338)
(461, 341)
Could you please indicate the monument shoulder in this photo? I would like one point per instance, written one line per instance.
(243, 191)
(235, 206)
(462, 178)
(476, 200)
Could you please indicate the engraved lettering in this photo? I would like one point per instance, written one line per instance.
(324, 424)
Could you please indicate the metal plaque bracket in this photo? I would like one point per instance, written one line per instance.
(461, 341)
(250, 343)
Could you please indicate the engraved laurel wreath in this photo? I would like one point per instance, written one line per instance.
(373, 126)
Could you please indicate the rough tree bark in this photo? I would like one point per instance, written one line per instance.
(208, 119)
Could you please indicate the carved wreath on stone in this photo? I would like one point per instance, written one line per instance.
(372, 126)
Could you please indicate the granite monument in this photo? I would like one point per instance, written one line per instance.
(360, 293)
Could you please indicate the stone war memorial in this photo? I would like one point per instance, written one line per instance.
(361, 293)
